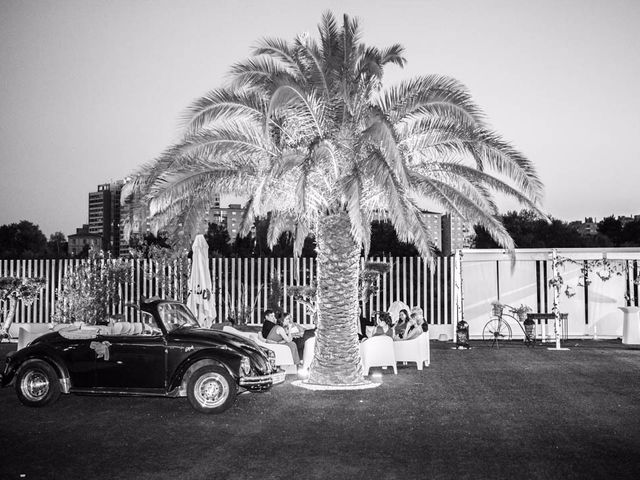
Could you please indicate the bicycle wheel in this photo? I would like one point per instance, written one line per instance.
(496, 329)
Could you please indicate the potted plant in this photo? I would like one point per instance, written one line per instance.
(522, 313)
(497, 308)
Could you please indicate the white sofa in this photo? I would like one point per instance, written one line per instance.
(378, 352)
(284, 358)
(307, 354)
(414, 350)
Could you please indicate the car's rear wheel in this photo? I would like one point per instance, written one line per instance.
(37, 384)
(211, 389)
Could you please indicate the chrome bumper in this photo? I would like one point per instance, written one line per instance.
(262, 382)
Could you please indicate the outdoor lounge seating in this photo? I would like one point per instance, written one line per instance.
(378, 352)
(307, 354)
(30, 331)
(284, 358)
(414, 350)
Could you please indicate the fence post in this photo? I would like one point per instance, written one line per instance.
(457, 291)
(556, 299)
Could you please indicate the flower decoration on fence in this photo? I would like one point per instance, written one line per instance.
(14, 289)
(605, 269)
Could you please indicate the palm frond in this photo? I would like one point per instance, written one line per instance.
(279, 48)
(262, 71)
(311, 111)
(301, 232)
(481, 178)
(231, 139)
(311, 56)
(452, 200)
(504, 158)
(221, 104)
(279, 223)
(381, 135)
(402, 100)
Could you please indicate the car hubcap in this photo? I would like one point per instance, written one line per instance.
(35, 385)
(211, 390)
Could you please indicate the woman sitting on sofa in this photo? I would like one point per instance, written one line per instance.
(279, 334)
(412, 329)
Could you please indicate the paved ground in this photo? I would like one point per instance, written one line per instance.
(485, 413)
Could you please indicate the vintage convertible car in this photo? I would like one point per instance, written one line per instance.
(164, 354)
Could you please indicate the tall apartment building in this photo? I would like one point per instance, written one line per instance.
(432, 220)
(456, 234)
(104, 215)
(229, 217)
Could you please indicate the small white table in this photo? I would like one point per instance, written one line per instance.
(630, 325)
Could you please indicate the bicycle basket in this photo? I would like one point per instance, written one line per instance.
(496, 309)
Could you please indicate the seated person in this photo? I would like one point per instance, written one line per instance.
(420, 318)
(401, 325)
(411, 329)
(364, 323)
(297, 332)
(278, 334)
(268, 323)
(383, 325)
(293, 329)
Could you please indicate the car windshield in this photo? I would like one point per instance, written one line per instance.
(176, 315)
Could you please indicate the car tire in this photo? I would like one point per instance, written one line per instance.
(211, 389)
(37, 384)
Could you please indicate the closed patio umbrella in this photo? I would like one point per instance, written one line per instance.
(200, 300)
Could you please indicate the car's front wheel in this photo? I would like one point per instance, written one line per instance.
(211, 389)
(37, 384)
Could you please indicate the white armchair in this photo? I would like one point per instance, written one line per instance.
(414, 350)
(284, 358)
(307, 354)
(378, 352)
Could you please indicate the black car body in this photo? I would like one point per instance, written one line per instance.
(167, 354)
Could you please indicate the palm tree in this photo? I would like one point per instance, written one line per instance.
(306, 131)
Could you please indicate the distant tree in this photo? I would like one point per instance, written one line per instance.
(631, 234)
(612, 228)
(218, 239)
(142, 247)
(284, 244)
(22, 240)
(384, 242)
(530, 231)
(244, 246)
(57, 246)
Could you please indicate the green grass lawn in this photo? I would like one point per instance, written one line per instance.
(513, 412)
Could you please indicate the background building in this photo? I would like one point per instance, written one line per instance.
(104, 217)
(83, 239)
(229, 217)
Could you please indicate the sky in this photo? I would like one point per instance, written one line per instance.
(90, 90)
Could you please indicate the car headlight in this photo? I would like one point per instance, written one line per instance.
(245, 365)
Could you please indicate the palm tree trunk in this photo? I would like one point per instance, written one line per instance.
(337, 351)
